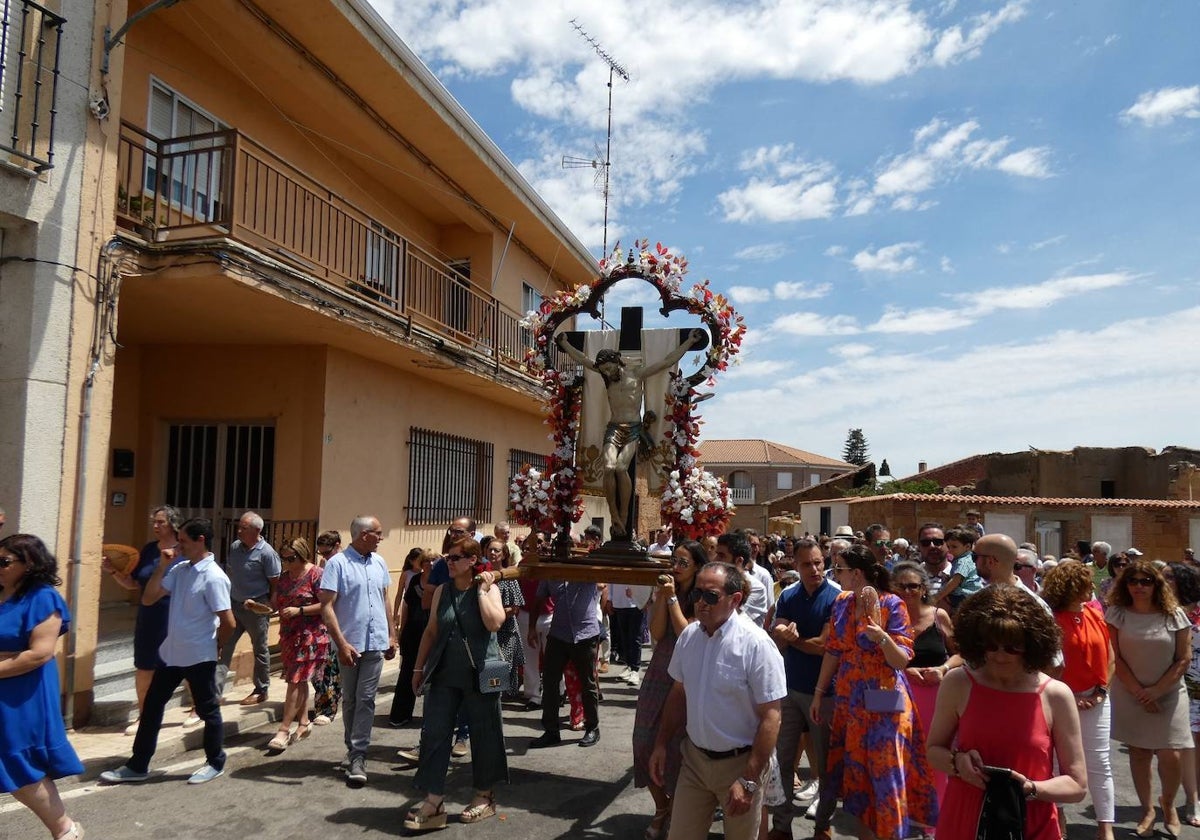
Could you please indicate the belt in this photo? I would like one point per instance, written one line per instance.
(716, 756)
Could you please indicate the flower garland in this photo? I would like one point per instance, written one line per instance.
(696, 503)
(698, 500)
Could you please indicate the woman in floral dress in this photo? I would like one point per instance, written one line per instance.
(877, 763)
(508, 637)
(303, 639)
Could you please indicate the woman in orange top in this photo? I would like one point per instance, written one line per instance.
(1088, 663)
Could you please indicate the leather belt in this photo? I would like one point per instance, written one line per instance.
(716, 756)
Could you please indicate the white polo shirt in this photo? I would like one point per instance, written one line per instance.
(726, 677)
(198, 592)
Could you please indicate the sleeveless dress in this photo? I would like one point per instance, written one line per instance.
(33, 740)
(1032, 755)
(877, 761)
(304, 640)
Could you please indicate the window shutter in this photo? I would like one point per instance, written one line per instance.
(161, 107)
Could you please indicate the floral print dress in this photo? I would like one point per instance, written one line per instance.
(877, 760)
(304, 640)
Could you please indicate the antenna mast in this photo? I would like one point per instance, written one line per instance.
(614, 68)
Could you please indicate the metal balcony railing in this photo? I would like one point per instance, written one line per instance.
(30, 37)
(222, 183)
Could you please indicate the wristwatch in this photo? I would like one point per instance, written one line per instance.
(751, 787)
(674, 599)
(1102, 690)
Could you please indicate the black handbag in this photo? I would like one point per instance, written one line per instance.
(1002, 813)
(493, 675)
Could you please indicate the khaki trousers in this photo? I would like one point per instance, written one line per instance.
(703, 786)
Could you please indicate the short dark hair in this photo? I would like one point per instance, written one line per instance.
(862, 558)
(874, 529)
(197, 528)
(329, 538)
(1187, 582)
(735, 581)
(805, 543)
(925, 527)
(41, 567)
(1006, 615)
(737, 544)
(966, 536)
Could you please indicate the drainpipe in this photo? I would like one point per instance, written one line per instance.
(77, 539)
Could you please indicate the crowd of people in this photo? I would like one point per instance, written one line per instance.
(883, 664)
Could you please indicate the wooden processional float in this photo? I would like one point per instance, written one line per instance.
(616, 401)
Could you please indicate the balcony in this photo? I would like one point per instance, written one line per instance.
(741, 495)
(30, 37)
(223, 184)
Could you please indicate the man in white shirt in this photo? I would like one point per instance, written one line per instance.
(734, 549)
(729, 678)
(626, 603)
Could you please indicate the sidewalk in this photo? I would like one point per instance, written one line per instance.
(101, 748)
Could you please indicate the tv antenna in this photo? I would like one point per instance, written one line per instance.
(602, 165)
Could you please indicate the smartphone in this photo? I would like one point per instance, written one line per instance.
(1003, 771)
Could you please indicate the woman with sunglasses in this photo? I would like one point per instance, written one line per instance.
(303, 638)
(460, 636)
(1152, 639)
(671, 610)
(1115, 564)
(1087, 670)
(1007, 638)
(34, 750)
(876, 757)
(933, 643)
(508, 637)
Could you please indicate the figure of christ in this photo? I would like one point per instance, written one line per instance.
(625, 385)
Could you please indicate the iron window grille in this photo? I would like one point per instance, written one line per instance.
(448, 477)
(30, 38)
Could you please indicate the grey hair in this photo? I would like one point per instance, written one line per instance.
(900, 544)
(174, 517)
(360, 524)
(255, 521)
(1102, 546)
(839, 547)
(1031, 557)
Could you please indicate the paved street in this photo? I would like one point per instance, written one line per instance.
(565, 792)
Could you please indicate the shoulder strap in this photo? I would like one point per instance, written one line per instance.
(461, 632)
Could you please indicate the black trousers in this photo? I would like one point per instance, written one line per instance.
(626, 625)
(582, 655)
(202, 681)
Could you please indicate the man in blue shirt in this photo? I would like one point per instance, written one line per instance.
(253, 568)
(199, 625)
(801, 618)
(574, 637)
(354, 606)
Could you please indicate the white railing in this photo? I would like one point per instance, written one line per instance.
(741, 495)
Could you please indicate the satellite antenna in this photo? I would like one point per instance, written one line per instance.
(600, 164)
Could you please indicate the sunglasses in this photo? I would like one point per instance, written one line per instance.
(1141, 581)
(837, 570)
(929, 542)
(883, 543)
(1119, 564)
(709, 597)
(1015, 650)
(911, 587)
(288, 558)
(5, 562)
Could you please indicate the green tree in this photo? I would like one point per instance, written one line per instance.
(855, 450)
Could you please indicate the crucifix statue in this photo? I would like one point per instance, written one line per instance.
(625, 384)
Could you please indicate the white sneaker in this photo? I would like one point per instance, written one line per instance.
(807, 791)
(633, 678)
(811, 813)
(191, 720)
(205, 774)
(132, 728)
(322, 720)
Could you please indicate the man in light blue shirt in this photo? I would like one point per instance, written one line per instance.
(253, 568)
(199, 624)
(354, 606)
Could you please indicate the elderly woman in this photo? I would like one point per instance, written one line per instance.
(508, 637)
(150, 625)
(1007, 639)
(876, 758)
(460, 636)
(1116, 562)
(303, 640)
(1088, 662)
(34, 750)
(671, 610)
(1153, 643)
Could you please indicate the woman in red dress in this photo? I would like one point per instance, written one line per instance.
(1007, 638)
(303, 639)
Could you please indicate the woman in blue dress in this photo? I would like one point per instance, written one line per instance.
(34, 750)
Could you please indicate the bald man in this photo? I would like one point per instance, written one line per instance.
(995, 559)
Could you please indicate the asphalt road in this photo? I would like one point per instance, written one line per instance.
(564, 792)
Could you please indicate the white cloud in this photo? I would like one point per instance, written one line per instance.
(767, 252)
(891, 259)
(852, 350)
(784, 187)
(931, 319)
(1028, 163)
(801, 291)
(1164, 106)
(814, 324)
(947, 266)
(749, 294)
(1039, 295)
(835, 250)
(957, 44)
(1046, 243)
(754, 369)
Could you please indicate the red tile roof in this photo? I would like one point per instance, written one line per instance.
(762, 452)
(1035, 501)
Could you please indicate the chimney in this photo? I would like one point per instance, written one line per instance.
(922, 466)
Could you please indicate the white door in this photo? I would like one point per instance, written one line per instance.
(1049, 537)
(1117, 531)
(1012, 524)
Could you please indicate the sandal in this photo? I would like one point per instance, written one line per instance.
(479, 812)
(280, 741)
(303, 730)
(1190, 816)
(419, 820)
(658, 825)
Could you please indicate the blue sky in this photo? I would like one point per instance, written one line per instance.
(962, 226)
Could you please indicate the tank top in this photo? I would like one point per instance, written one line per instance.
(1031, 755)
(929, 648)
